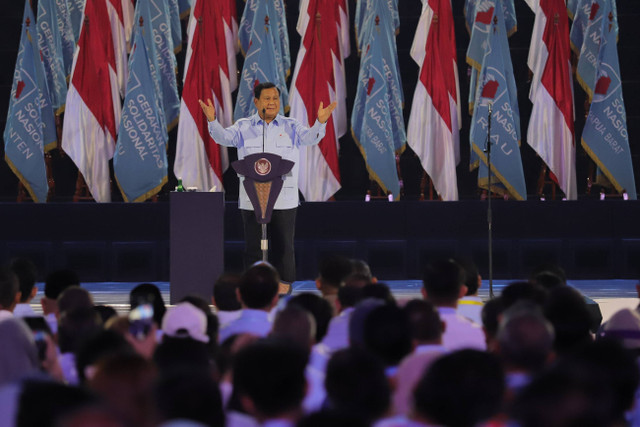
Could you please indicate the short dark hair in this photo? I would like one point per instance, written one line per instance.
(148, 293)
(58, 281)
(257, 91)
(424, 319)
(259, 285)
(74, 297)
(8, 287)
(442, 280)
(319, 308)
(224, 292)
(525, 337)
(379, 291)
(356, 384)
(334, 269)
(189, 394)
(461, 389)
(387, 334)
(470, 274)
(548, 276)
(77, 326)
(280, 370)
(349, 296)
(27, 274)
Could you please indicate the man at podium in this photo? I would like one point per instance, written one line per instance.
(269, 131)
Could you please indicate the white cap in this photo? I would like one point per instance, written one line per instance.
(185, 320)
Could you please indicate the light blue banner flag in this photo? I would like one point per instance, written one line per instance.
(76, 13)
(572, 7)
(47, 115)
(176, 27)
(588, 58)
(277, 19)
(469, 12)
(383, 12)
(494, 89)
(380, 20)
(383, 37)
(605, 136)
(140, 159)
(157, 35)
(24, 141)
(50, 45)
(259, 67)
(67, 38)
(373, 128)
(184, 7)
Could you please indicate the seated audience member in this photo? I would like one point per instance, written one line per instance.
(624, 326)
(99, 346)
(258, 294)
(525, 344)
(19, 356)
(358, 318)
(357, 385)
(550, 276)
(491, 315)
(443, 285)
(125, 383)
(212, 321)
(148, 293)
(461, 389)
(334, 270)
(337, 336)
(278, 394)
(592, 387)
(516, 292)
(188, 397)
(387, 334)
(360, 268)
(76, 326)
(74, 298)
(9, 292)
(185, 339)
(105, 312)
(319, 308)
(296, 325)
(379, 291)
(27, 274)
(470, 305)
(426, 330)
(55, 283)
(47, 403)
(225, 298)
(567, 311)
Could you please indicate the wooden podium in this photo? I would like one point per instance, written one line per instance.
(196, 243)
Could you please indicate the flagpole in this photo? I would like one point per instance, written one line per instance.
(489, 212)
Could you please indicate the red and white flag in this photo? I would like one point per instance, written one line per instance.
(199, 161)
(433, 129)
(127, 18)
(230, 20)
(93, 102)
(551, 126)
(314, 82)
(118, 33)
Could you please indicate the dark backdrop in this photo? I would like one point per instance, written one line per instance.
(355, 182)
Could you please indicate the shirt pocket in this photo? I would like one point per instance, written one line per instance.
(253, 145)
(288, 193)
(283, 141)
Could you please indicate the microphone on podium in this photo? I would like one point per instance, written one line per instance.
(264, 126)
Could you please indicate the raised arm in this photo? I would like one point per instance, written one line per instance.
(208, 109)
(229, 137)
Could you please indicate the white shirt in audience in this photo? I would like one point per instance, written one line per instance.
(460, 332)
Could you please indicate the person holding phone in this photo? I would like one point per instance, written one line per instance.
(269, 131)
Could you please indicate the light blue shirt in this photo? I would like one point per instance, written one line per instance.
(251, 321)
(283, 136)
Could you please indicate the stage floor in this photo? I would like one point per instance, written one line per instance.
(611, 295)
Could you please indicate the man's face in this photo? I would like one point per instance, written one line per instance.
(269, 101)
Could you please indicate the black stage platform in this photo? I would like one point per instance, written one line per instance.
(130, 242)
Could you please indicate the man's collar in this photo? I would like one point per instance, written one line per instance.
(257, 120)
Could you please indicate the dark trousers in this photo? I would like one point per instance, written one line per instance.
(281, 232)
